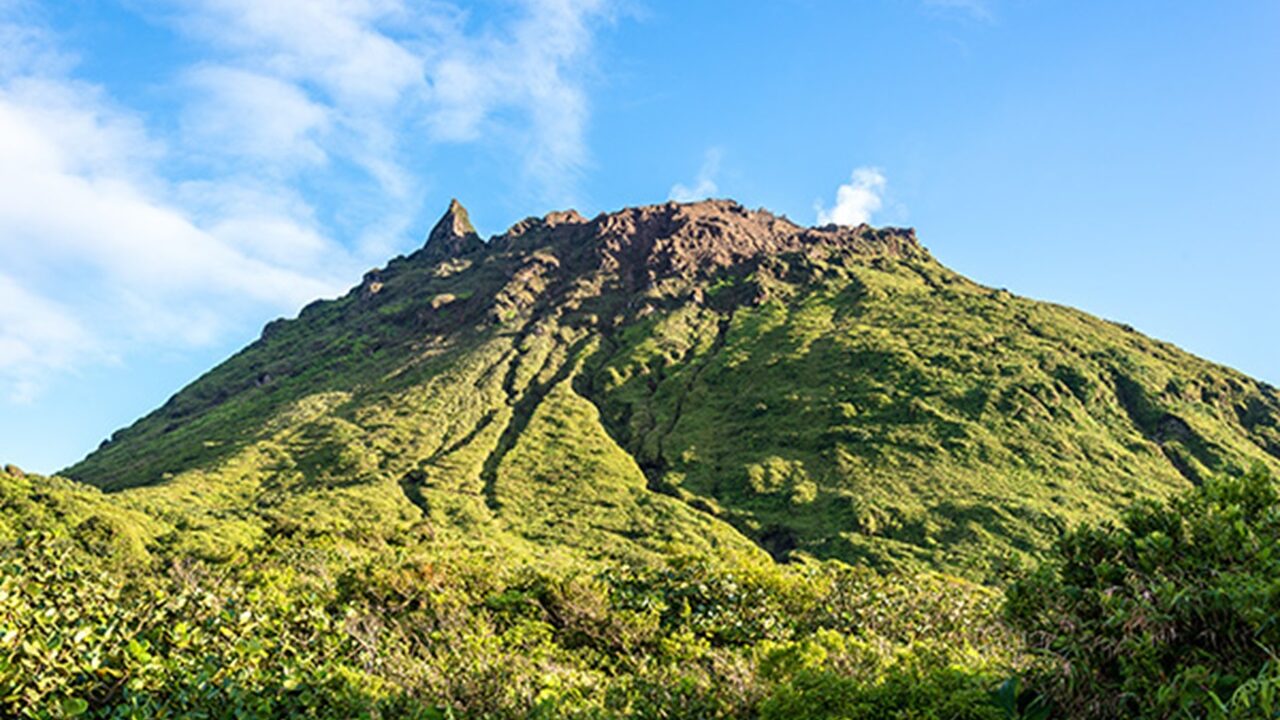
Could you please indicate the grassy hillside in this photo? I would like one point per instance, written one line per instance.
(1169, 614)
(697, 375)
(901, 411)
(91, 626)
(548, 476)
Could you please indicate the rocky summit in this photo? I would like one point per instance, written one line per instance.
(696, 375)
(683, 460)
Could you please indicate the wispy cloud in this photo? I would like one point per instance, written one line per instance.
(974, 9)
(172, 237)
(286, 128)
(374, 66)
(303, 80)
(341, 47)
(82, 207)
(705, 184)
(37, 336)
(535, 70)
(856, 200)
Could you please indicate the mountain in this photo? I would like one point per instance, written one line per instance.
(695, 376)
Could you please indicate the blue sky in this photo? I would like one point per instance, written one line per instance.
(175, 174)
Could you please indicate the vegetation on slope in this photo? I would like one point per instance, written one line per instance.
(549, 476)
(593, 390)
(293, 630)
(1171, 612)
(1168, 614)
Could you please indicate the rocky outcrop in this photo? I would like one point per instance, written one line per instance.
(453, 235)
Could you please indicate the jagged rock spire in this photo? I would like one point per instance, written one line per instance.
(453, 235)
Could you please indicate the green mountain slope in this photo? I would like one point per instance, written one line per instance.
(682, 376)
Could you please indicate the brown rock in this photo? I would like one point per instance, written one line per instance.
(453, 235)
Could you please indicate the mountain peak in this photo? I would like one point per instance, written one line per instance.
(453, 234)
(600, 387)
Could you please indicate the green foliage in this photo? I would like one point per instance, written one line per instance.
(1170, 613)
(917, 418)
(546, 478)
(1257, 698)
(900, 691)
(75, 641)
(847, 397)
(296, 633)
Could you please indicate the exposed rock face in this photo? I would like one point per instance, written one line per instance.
(698, 239)
(453, 235)
(633, 260)
(669, 250)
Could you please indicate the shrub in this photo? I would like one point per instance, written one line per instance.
(1171, 613)
(291, 630)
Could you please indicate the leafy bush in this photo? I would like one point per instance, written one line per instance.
(292, 632)
(79, 641)
(1171, 613)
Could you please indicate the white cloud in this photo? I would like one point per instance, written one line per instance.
(24, 46)
(336, 45)
(98, 256)
(534, 70)
(118, 237)
(72, 192)
(36, 336)
(705, 185)
(285, 122)
(305, 81)
(372, 65)
(856, 200)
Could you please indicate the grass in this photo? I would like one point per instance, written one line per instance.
(551, 479)
(845, 403)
